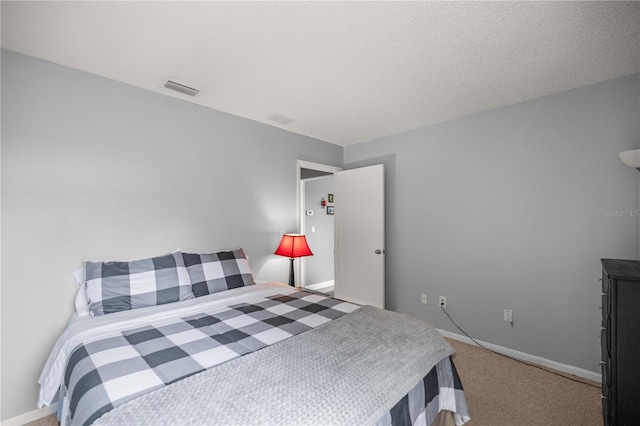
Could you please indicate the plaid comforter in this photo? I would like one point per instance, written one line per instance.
(106, 373)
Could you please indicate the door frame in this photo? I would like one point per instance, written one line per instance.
(302, 164)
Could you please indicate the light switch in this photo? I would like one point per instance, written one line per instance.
(313, 229)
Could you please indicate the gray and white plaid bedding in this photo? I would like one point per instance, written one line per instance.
(214, 272)
(440, 389)
(105, 373)
(360, 369)
(119, 286)
(103, 363)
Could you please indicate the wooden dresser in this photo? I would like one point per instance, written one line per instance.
(620, 338)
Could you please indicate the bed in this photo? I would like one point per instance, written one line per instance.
(193, 339)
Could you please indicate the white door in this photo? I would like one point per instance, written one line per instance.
(359, 235)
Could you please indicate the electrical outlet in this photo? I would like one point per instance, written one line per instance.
(443, 301)
(508, 315)
(423, 299)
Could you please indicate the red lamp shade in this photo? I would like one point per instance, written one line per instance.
(293, 245)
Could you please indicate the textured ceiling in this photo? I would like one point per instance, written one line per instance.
(346, 72)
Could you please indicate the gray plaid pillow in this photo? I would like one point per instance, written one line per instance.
(120, 286)
(214, 272)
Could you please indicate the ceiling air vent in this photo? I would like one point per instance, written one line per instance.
(279, 118)
(181, 88)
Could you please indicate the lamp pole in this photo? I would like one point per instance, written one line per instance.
(292, 278)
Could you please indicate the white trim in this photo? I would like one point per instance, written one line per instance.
(311, 179)
(580, 372)
(317, 166)
(29, 417)
(300, 271)
(318, 286)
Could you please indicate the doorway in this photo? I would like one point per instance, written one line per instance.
(314, 183)
(359, 253)
(318, 226)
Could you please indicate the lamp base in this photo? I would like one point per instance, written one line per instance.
(292, 278)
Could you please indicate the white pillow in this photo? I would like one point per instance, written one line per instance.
(82, 304)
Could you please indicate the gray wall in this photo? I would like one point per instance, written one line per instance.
(320, 265)
(97, 170)
(507, 209)
(503, 209)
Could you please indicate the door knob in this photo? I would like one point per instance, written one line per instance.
(378, 251)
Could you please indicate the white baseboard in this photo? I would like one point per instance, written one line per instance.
(318, 286)
(29, 417)
(580, 372)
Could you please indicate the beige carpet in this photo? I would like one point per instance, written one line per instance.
(501, 391)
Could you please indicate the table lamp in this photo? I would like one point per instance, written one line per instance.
(293, 246)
